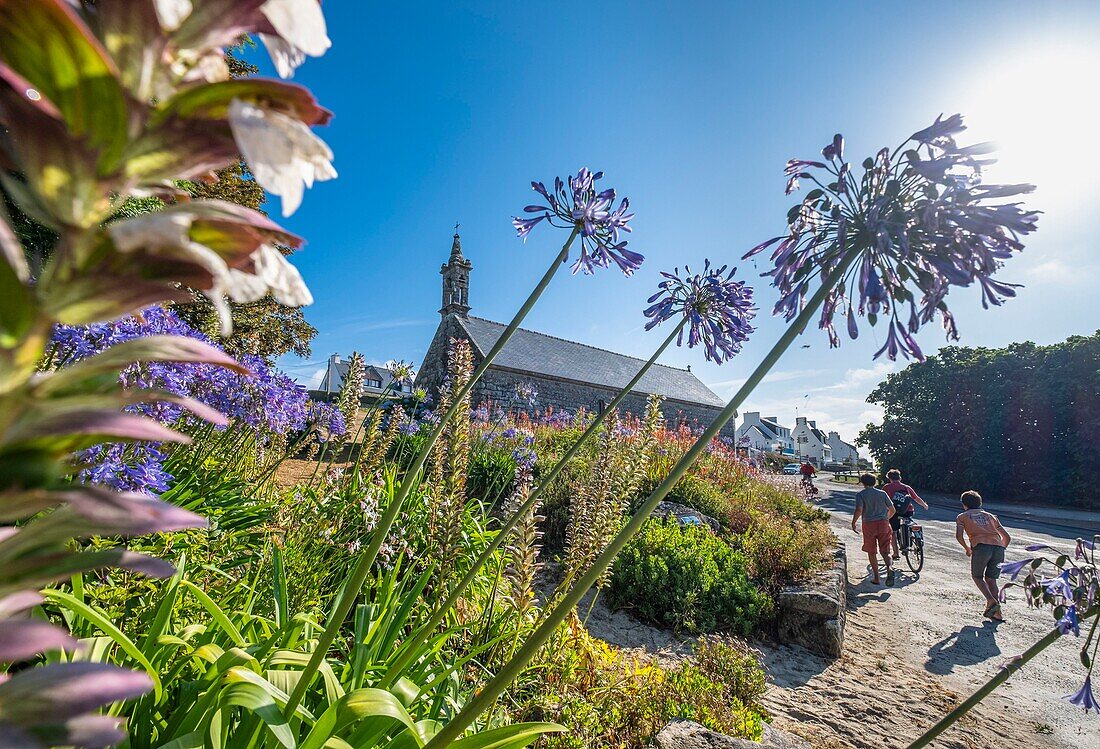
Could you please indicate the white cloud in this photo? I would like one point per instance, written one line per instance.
(1053, 272)
(841, 406)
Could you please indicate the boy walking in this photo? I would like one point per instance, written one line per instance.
(988, 540)
(876, 509)
(903, 496)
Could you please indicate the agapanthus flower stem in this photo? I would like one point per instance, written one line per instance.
(1001, 677)
(514, 667)
(412, 646)
(365, 563)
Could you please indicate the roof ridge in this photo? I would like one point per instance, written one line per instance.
(587, 345)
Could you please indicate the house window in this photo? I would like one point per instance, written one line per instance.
(374, 383)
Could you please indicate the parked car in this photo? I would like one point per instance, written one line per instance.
(792, 469)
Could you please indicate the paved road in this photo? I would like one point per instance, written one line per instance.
(934, 623)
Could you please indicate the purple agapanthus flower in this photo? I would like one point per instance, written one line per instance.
(1069, 623)
(718, 309)
(524, 457)
(266, 401)
(1013, 569)
(1058, 586)
(526, 392)
(592, 213)
(916, 223)
(1084, 697)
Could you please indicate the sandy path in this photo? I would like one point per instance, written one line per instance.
(914, 650)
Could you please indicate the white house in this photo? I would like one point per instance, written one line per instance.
(764, 434)
(811, 443)
(843, 452)
(378, 381)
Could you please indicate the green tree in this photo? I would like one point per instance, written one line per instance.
(1013, 423)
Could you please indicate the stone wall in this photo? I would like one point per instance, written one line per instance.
(813, 614)
(498, 385)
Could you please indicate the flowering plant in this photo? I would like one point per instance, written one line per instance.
(916, 222)
(717, 309)
(101, 102)
(1072, 591)
(590, 213)
(266, 402)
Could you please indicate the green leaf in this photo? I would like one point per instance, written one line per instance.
(260, 702)
(215, 611)
(103, 621)
(507, 737)
(47, 43)
(354, 707)
(278, 573)
(211, 101)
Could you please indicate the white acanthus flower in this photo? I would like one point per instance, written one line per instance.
(283, 153)
(172, 13)
(300, 30)
(169, 234)
(271, 273)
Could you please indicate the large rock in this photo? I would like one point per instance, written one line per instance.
(685, 515)
(686, 734)
(813, 614)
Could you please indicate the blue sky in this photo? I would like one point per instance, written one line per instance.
(445, 112)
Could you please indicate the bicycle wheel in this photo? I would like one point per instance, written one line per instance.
(914, 554)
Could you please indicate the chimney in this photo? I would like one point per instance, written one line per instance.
(834, 435)
(800, 421)
(813, 424)
(772, 419)
(335, 358)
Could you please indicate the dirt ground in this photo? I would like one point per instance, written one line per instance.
(914, 650)
(911, 653)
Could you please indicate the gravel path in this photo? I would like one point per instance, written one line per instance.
(914, 650)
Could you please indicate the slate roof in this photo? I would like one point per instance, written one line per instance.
(340, 370)
(541, 354)
(772, 426)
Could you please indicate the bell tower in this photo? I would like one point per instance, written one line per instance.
(456, 281)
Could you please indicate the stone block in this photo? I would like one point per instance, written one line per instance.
(813, 614)
(686, 734)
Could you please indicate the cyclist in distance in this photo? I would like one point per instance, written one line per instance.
(903, 497)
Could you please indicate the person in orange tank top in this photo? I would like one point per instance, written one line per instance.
(986, 548)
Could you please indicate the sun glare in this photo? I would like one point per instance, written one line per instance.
(1040, 109)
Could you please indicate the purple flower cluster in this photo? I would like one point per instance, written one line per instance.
(266, 401)
(718, 309)
(137, 467)
(915, 223)
(1072, 592)
(526, 392)
(593, 214)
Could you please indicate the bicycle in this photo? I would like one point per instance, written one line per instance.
(809, 488)
(911, 543)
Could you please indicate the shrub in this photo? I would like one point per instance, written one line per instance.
(687, 578)
(778, 552)
(609, 698)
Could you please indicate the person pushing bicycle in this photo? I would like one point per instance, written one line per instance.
(903, 496)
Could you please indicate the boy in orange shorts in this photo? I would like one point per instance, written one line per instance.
(876, 509)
